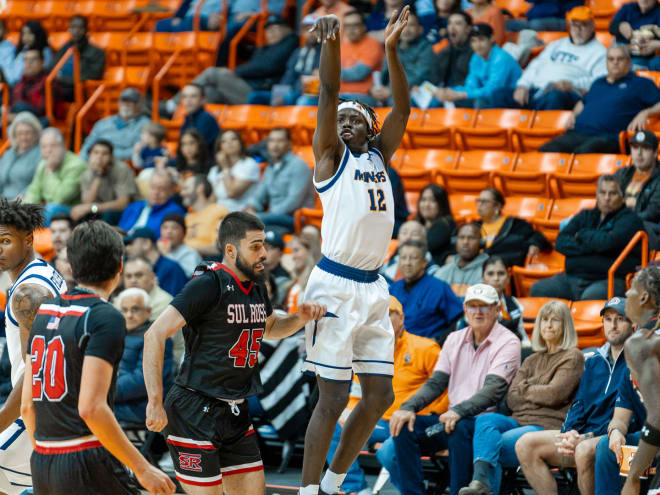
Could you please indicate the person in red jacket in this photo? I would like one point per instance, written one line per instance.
(29, 93)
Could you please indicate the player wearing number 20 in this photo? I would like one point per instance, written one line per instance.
(225, 312)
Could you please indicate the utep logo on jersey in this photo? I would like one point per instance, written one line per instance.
(237, 313)
(375, 177)
(190, 462)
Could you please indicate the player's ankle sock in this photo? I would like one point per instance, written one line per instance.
(309, 490)
(332, 481)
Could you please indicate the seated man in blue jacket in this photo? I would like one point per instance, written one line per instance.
(131, 395)
(605, 372)
(644, 16)
(491, 68)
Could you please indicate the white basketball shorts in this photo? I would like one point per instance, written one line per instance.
(15, 452)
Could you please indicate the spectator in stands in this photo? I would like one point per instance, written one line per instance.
(92, 58)
(122, 130)
(336, 7)
(143, 242)
(285, 186)
(150, 212)
(131, 395)
(544, 15)
(29, 93)
(435, 21)
(192, 153)
(33, 36)
(235, 174)
(412, 230)
(538, 397)
(7, 50)
(509, 237)
(361, 55)
(434, 213)
(451, 65)
(172, 234)
(149, 148)
(487, 12)
(591, 242)
(641, 183)
(431, 307)
(380, 16)
(491, 69)
(61, 226)
(303, 63)
(139, 273)
(475, 380)
(637, 24)
(62, 265)
(57, 179)
(565, 69)
(588, 416)
(594, 127)
(19, 162)
(416, 56)
(204, 215)
(305, 254)
(274, 245)
(466, 266)
(193, 100)
(414, 360)
(107, 186)
(210, 17)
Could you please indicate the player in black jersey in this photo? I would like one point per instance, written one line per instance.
(73, 355)
(224, 312)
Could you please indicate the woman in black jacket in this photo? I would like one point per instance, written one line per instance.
(434, 213)
(509, 237)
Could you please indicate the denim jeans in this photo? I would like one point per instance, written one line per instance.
(355, 480)
(608, 481)
(410, 446)
(313, 100)
(494, 441)
(279, 222)
(186, 24)
(263, 97)
(539, 24)
(548, 100)
(574, 288)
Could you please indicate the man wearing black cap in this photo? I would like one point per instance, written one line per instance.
(142, 242)
(491, 68)
(172, 233)
(641, 182)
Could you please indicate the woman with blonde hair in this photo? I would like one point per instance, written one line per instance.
(305, 254)
(19, 163)
(538, 398)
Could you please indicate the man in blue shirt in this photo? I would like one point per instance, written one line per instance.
(193, 100)
(430, 306)
(643, 15)
(619, 101)
(491, 68)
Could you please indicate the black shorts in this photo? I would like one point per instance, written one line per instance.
(654, 487)
(92, 471)
(206, 440)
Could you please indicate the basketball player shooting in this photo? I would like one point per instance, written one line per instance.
(351, 179)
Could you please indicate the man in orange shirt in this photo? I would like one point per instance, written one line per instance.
(203, 216)
(414, 360)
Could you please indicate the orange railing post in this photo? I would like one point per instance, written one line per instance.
(49, 83)
(77, 140)
(5, 108)
(233, 44)
(156, 84)
(640, 235)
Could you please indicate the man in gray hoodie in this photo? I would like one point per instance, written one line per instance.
(466, 267)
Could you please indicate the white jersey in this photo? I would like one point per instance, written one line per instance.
(358, 211)
(38, 272)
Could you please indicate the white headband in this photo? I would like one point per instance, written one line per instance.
(356, 106)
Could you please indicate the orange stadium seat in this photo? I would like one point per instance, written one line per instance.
(604, 11)
(415, 121)
(653, 75)
(58, 39)
(242, 118)
(526, 208)
(17, 13)
(583, 174)
(492, 129)
(561, 209)
(307, 216)
(531, 174)
(111, 15)
(123, 50)
(531, 307)
(588, 323)
(437, 129)
(473, 171)
(415, 179)
(429, 159)
(306, 124)
(545, 265)
(546, 124)
(463, 207)
(517, 8)
(3, 301)
(306, 153)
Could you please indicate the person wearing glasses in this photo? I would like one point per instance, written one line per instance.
(475, 366)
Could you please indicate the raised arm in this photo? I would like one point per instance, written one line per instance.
(395, 123)
(326, 144)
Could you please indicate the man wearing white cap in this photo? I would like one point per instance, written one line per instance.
(475, 366)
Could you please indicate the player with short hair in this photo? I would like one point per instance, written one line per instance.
(351, 178)
(33, 281)
(75, 347)
(224, 312)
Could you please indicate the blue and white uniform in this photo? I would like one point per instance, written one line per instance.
(15, 445)
(356, 335)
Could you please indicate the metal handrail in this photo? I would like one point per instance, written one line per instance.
(640, 235)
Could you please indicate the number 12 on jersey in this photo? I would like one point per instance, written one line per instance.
(377, 200)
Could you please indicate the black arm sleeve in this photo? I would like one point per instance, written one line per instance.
(431, 390)
(198, 296)
(106, 328)
(491, 393)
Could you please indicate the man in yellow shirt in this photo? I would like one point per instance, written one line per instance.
(204, 215)
(414, 361)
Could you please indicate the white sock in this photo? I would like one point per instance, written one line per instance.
(309, 490)
(332, 481)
